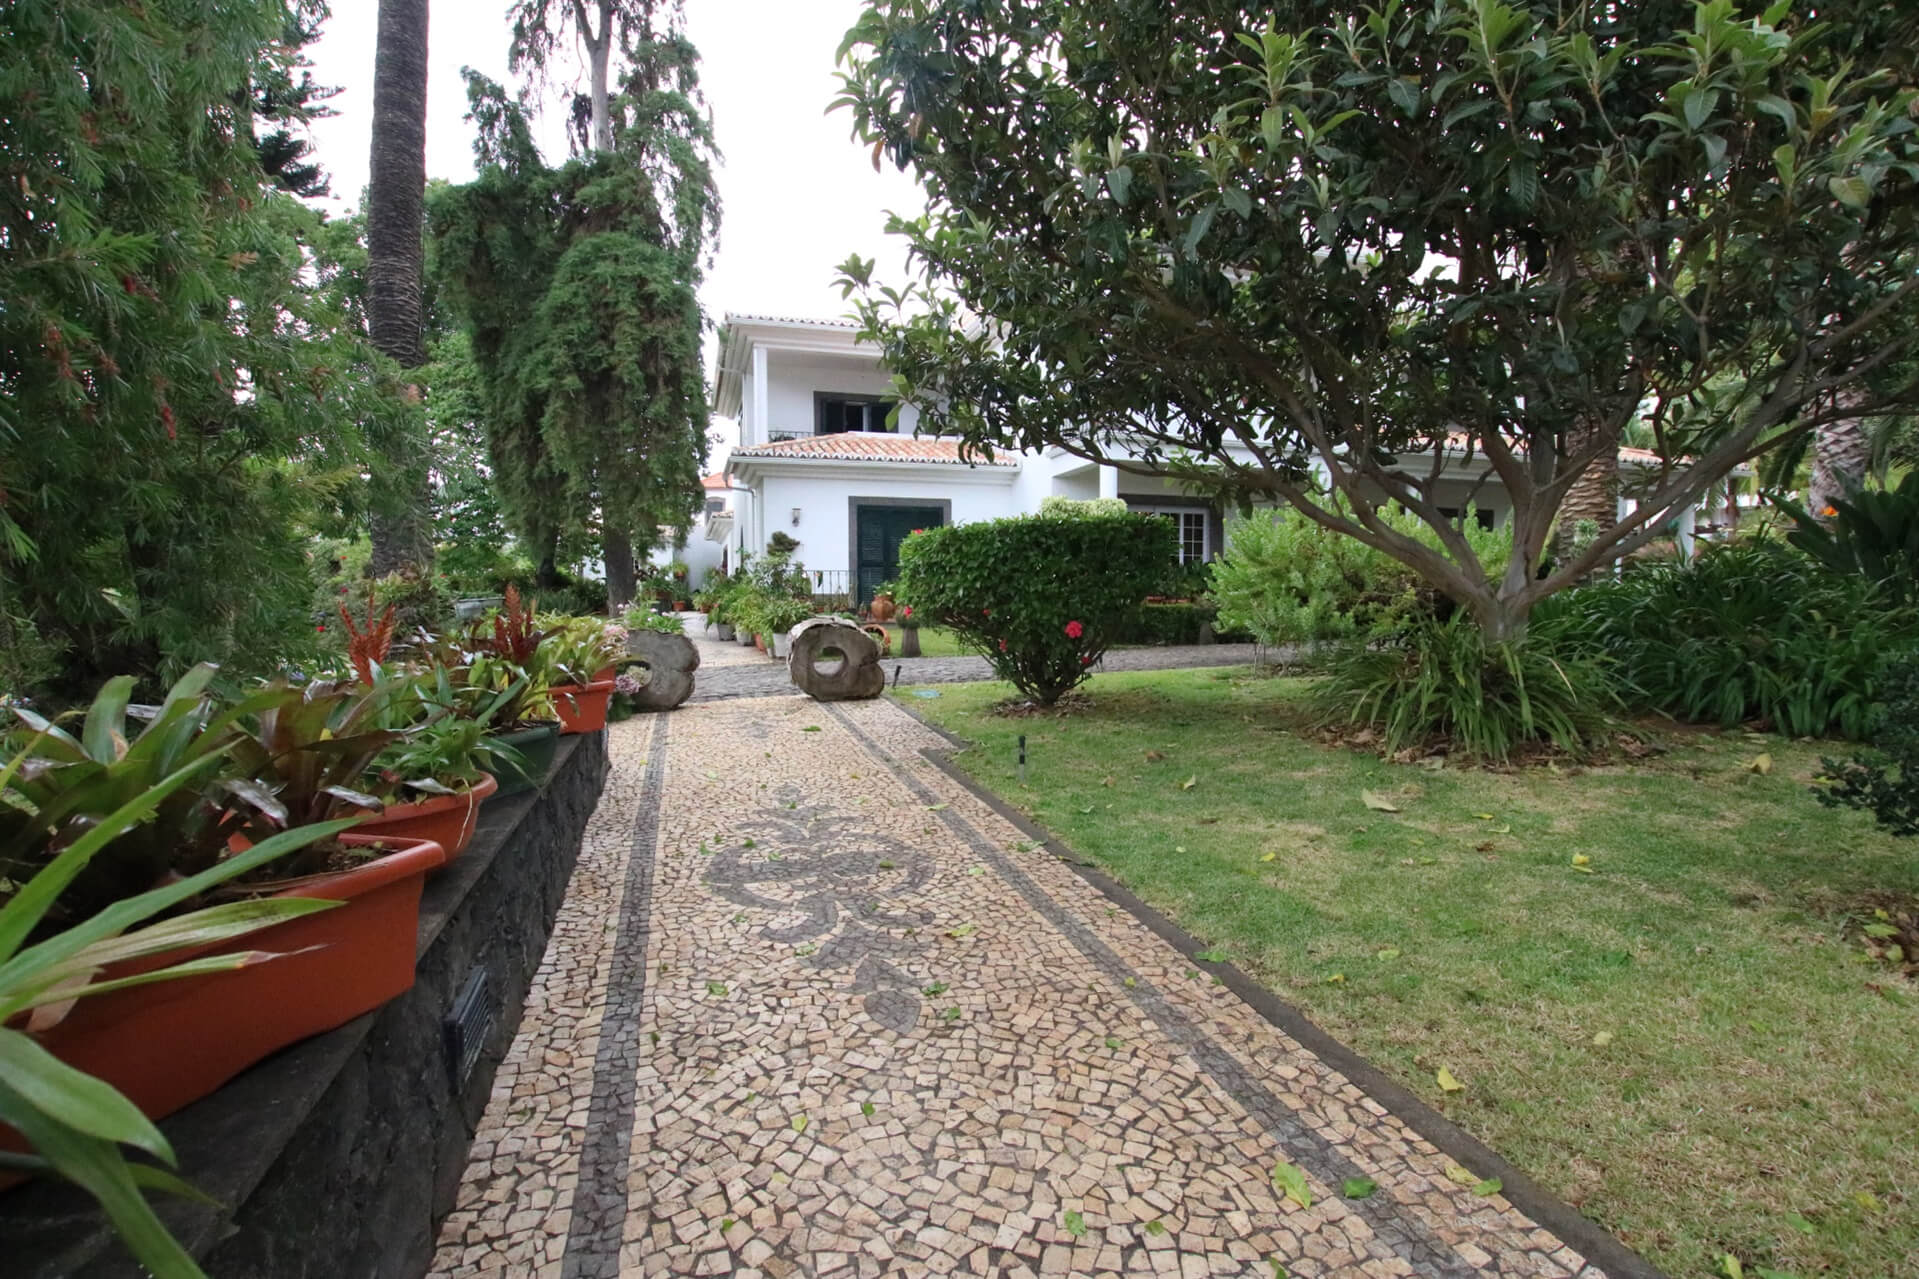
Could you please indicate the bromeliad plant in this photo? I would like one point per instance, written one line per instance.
(577, 649)
(66, 784)
(74, 1124)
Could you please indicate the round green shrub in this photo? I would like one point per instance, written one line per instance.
(1040, 597)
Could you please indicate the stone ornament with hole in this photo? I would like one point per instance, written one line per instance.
(834, 661)
(670, 663)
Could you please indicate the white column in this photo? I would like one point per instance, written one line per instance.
(760, 428)
(1109, 481)
(1687, 519)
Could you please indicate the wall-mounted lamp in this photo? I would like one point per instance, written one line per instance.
(796, 517)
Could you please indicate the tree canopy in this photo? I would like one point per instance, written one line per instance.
(576, 285)
(178, 394)
(1302, 248)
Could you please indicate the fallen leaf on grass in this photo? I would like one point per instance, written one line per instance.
(1580, 859)
(1377, 802)
(1211, 956)
(1446, 1081)
(1292, 1182)
(1337, 979)
(1190, 782)
(1153, 757)
(1269, 857)
(1729, 1266)
(1358, 1187)
(1501, 829)
(1800, 1224)
(1388, 953)
(1761, 763)
(1484, 817)
(1601, 1039)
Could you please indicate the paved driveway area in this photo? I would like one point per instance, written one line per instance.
(812, 1008)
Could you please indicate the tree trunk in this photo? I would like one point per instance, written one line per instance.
(599, 56)
(1594, 496)
(621, 574)
(396, 193)
(1841, 452)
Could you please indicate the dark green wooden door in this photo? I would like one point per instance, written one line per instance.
(877, 538)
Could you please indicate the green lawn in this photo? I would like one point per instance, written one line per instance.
(1689, 1042)
(934, 642)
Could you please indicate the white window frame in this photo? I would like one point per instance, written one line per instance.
(1179, 514)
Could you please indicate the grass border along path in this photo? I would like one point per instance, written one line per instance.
(1645, 984)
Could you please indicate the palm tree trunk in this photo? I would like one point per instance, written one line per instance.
(1841, 452)
(396, 197)
(1593, 498)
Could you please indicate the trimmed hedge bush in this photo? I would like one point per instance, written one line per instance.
(1041, 597)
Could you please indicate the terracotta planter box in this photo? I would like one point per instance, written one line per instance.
(171, 1043)
(582, 707)
(447, 820)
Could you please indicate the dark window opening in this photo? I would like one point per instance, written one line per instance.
(1487, 519)
(839, 414)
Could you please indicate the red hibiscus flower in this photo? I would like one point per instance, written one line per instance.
(1074, 630)
(986, 612)
(907, 611)
(1002, 646)
(1086, 660)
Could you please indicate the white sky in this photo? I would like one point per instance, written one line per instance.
(799, 193)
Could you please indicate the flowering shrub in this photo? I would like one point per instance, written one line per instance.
(1040, 597)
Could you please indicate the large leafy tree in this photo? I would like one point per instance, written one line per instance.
(176, 392)
(400, 522)
(576, 286)
(1308, 248)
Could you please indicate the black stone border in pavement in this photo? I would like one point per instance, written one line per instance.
(1598, 1245)
(597, 1229)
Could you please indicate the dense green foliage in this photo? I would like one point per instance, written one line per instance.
(1874, 534)
(1749, 631)
(1885, 782)
(1291, 581)
(576, 287)
(1443, 683)
(181, 397)
(1208, 231)
(1040, 597)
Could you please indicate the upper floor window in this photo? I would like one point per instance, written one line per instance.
(836, 414)
(1195, 527)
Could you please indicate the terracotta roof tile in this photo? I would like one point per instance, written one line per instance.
(863, 446)
(717, 480)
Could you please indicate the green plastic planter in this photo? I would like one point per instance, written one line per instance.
(536, 746)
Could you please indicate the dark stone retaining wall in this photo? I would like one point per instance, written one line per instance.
(339, 1156)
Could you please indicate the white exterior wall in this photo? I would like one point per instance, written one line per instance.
(794, 377)
(825, 497)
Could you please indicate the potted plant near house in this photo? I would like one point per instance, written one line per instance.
(780, 615)
(164, 1047)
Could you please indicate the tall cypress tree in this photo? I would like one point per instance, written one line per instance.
(577, 286)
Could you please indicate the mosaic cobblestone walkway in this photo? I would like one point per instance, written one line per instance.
(812, 1008)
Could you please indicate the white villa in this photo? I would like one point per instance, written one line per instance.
(817, 461)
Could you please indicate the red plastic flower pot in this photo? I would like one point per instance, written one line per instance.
(170, 1043)
(582, 707)
(447, 820)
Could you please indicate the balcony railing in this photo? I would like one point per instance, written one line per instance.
(832, 589)
(776, 434)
